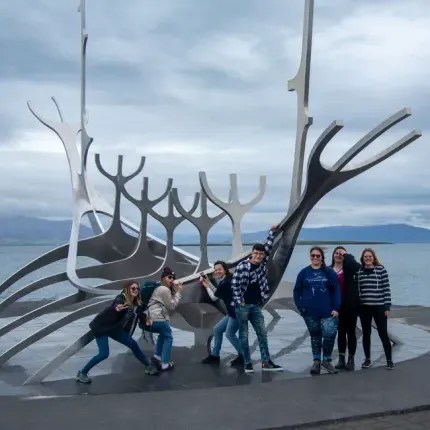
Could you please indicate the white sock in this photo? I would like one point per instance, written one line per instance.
(165, 365)
(157, 357)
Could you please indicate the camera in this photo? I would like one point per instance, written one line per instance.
(202, 278)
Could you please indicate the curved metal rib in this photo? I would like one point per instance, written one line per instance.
(50, 328)
(371, 137)
(202, 223)
(234, 209)
(170, 222)
(56, 305)
(68, 352)
(300, 84)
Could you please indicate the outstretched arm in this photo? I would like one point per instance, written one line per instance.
(350, 264)
(268, 244)
(210, 288)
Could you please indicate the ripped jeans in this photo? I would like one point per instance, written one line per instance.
(323, 335)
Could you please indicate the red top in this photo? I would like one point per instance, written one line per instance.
(341, 279)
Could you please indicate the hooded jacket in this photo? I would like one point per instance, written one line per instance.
(351, 298)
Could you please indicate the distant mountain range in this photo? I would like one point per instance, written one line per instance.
(23, 230)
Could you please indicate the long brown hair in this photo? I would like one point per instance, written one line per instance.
(223, 264)
(129, 299)
(376, 262)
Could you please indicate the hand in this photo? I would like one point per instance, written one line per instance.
(120, 308)
(179, 287)
(341, 251)
(274, 227)
(387, 313)
(148, 321)
(205, 283)
(242, 304)
(334, 314)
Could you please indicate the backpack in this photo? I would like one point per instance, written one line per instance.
(146, 291)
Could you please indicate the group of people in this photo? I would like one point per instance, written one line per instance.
(330, 300)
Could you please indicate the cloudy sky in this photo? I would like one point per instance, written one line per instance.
(202, 85)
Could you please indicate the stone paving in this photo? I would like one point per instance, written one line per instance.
(288, 340)
(406, 421)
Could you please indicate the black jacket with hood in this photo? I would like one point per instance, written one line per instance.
(351, 298)
(110, 320)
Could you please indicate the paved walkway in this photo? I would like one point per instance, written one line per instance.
(407, 421)
(279, 404)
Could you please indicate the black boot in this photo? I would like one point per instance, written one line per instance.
(351, 363)
(211, 359)
(237, 362)
(341, 363)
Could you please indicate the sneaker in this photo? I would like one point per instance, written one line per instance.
(211, 359)
(152, 370)
(390, 365)
(83, 378)
(366, 363)
(270, 366)
(237, 362)
(351, 364)
(170, 366)
(316, 367)
(328, 366)
(341, 363)
(249, 368)
(156, 362)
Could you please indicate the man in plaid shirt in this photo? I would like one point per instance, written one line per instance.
(250, 291)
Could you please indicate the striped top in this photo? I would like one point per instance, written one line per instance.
(374, 287)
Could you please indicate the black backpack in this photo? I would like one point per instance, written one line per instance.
(146, 291)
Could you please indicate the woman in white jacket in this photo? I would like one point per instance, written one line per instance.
(162, 303)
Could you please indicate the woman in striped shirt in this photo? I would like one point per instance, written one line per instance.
(375, 301)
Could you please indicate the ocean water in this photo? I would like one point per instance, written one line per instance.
(406, 265)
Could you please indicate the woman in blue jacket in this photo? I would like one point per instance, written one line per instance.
(317, 297)
(118, 322)
(228, 324)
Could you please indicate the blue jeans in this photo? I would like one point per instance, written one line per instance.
(323, 334)
(120, 336)
(163, 347)
(254, 315)
(229, 326)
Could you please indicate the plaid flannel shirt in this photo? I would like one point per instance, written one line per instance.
(240, 281)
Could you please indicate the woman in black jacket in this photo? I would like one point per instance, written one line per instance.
(118, 322)
(346, 267)
(228, 324)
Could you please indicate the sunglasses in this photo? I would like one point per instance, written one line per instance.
(134, 289)
(315, 256)
(170, 277)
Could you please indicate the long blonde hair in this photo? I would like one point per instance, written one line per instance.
(129, 299)
(376, 262)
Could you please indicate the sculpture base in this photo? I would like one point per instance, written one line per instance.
(289, 345)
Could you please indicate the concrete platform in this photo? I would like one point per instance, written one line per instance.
(196, 396)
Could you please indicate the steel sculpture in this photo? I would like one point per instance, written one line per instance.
(118, 248)
(233, 208)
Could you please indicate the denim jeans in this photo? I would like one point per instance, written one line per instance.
(323, 335)
(120, 336)
(254, 315)
(163, 347)
(229, 326)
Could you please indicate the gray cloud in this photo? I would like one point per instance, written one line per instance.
(203, 86)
